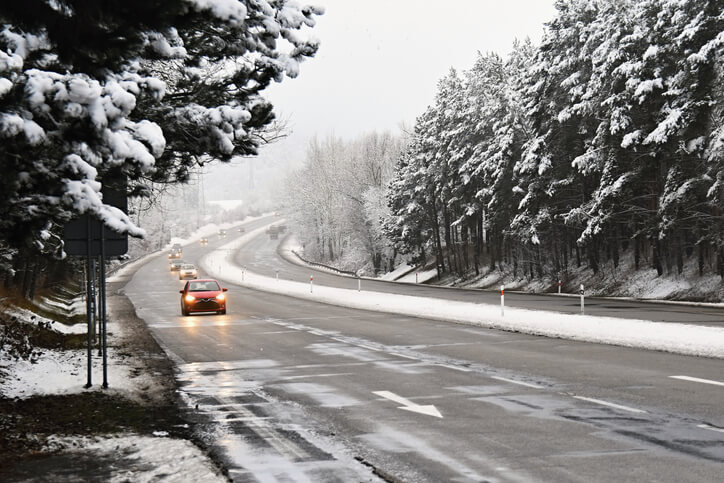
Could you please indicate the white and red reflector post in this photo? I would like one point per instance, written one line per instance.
(502, 300)
(582, 291)
(559, 287)
(311, 283)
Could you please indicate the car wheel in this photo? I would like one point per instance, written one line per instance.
(222, 312)
(184, 312)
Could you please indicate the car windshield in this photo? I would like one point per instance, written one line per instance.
(188, 267)
(203, 286)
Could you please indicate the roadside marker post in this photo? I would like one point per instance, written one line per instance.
(277, 275)
(311, 284)
(559, 287)
(502, 300)
(415, 277)
(359, 284)
(583, 295)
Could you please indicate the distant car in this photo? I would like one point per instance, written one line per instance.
(203, 295)
(175, 265)
(273, 232)
(187, 270)
(204, 241)
(175, 251)
(241, 229)
(222, 233)
(282, 228)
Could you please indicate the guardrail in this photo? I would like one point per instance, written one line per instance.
(321, 265)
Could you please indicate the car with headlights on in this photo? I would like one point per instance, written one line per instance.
(204, 241)
(176, 264)
(203, 295)
(187, 271)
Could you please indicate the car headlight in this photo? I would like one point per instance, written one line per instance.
(221, 297)
(190, 298)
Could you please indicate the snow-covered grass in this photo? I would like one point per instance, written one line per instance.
(29, 317)
(670, 337)
(402, 269)
(146, 458)
(621, 281)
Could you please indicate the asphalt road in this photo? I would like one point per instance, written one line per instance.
(293, 390)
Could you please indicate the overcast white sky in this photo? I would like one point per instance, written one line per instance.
(380, 60)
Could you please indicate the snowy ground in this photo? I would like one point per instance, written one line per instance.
(676, 338)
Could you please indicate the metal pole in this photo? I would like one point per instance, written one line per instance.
(89, 315)
(502, 300)
(582, 292)
(92, 297)
(103, 305)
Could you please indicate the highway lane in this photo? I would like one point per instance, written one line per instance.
(294, 389)
(261, 257)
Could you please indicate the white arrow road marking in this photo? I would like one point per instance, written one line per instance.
(696, 379)
(408, 405)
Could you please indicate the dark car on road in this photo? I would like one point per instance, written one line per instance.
(176, 264)
(203, 295)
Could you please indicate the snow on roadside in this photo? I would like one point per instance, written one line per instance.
(422, 277)
(29, 317)
(401, 270)
(144, 458)
(669, 337)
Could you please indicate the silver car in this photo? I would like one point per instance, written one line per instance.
(187, 270)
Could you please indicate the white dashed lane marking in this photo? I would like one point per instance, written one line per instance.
(520, 383)
(696, 379)
(611, 405)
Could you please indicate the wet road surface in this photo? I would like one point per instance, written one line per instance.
(293, 390)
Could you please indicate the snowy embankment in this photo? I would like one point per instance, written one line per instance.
(669, 337)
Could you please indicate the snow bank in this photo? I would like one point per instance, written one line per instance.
(669, 337)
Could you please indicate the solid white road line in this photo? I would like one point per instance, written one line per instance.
(520, 383)
(612, 405)
(696, 379)
(706, 426)
(454, 368)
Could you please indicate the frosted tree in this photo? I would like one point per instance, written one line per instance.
(144, 89)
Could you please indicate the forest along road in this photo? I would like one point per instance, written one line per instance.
(293, 390)
(260, 256)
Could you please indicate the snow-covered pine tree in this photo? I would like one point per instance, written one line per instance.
(149, 88)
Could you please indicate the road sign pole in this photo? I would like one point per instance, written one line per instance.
(89, 313)
(103, 307)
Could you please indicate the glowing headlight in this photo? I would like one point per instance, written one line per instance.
(190, 298)
(221, 296)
